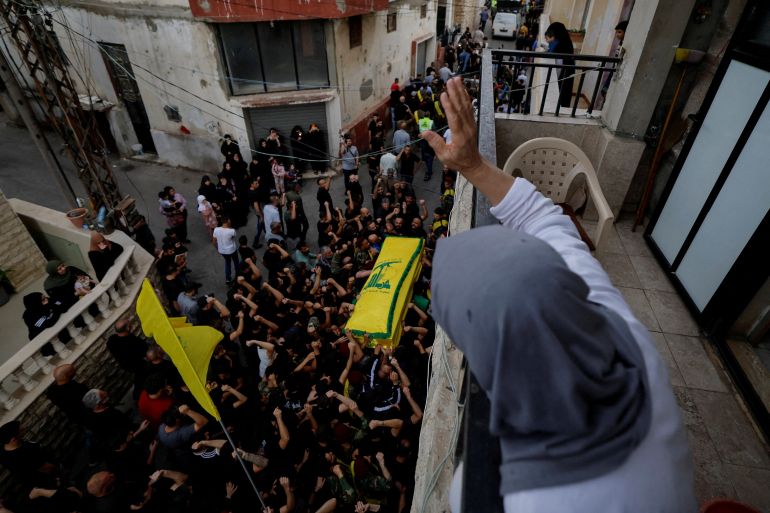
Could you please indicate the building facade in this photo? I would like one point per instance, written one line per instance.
(171, 77)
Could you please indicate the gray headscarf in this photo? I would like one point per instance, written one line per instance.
(565, 378)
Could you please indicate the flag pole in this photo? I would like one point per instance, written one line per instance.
(243, 465)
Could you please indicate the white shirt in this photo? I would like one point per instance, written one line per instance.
(445, 74)
(388, 165)
(272, 215)
(658, 474)
(448, 136)
(225, 240)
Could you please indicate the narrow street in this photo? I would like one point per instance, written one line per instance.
(23, 175)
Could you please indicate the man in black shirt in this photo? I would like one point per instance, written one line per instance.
(408, 160)
(66, 393)
(323, 196)
(129, 351)
(25, 460)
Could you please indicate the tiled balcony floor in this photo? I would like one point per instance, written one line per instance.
(731, 460)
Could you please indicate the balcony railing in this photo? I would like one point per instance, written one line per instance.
(546, 74)
(27, 374)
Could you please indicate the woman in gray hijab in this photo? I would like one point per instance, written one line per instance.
(579, 396)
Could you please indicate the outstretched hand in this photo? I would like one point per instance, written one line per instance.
(462, 153)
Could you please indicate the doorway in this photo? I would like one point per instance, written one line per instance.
(420, 58)
(127, 90)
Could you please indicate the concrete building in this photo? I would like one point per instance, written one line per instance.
(175, 75)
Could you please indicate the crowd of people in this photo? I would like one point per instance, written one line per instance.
(325, 422)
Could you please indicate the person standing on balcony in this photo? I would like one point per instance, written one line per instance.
(559, 42)
(579, 395)
(620, 35)
(103, 254)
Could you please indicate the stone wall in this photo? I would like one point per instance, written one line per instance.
(17, 249)
(49, 426)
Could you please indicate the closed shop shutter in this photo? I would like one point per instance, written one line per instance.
(284, 118)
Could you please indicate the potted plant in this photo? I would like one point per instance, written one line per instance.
(6, 289)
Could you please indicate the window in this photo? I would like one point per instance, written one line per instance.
(392, 21)
(282, 57)
(355, 31)
(423, 10)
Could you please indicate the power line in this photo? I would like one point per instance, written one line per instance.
(331, 159)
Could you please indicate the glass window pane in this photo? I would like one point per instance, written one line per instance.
(735, 216)
(310, 47)
(240, 48)
(737, 96)
(277, 55)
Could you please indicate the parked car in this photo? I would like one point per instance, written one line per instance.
(506, 24)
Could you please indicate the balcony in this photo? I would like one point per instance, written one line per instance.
(225, 11)
(730, 457)
(25, 372)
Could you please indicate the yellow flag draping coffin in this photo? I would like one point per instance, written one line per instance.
(189, 347)
(383, 301)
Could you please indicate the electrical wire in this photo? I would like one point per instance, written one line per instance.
(363, 11)
(10, 59)
(331, 159)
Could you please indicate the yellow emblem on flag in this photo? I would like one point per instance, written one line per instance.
(381, 306)
(189, 347)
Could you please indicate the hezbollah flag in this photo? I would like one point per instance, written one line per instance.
(381, 306)
(190, 347)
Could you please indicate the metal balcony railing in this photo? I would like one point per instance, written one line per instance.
(546, 73)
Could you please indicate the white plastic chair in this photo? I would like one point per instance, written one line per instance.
(552, 165)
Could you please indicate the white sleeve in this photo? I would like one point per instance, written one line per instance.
(527, 210)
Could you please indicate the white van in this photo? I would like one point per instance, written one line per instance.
(506, 24)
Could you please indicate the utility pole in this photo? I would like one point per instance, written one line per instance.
(27, 116)
(30, 29)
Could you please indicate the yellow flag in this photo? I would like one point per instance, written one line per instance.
(189, 347)
(383, 301)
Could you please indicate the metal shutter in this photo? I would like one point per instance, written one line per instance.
(284, 118)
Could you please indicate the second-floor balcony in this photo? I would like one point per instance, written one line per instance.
(26, 365)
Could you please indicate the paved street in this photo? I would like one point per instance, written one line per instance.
(23, 175)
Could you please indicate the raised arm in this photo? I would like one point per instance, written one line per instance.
(277, 294)
(243, 282)
(401, 374)
(283, 431)
(196, 417)
(248, 302)
(240, 398)
(238, 331)
(516, 202)
(284, 481)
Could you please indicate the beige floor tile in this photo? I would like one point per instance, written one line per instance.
(752, 485)
(619, 269)
(637, 300)
(671, 313)
(611, 243)
(750, 360)
(674, 375)
(633, 242)
(710, 474)
(729, 428)
(650, 274)
(694, 363)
